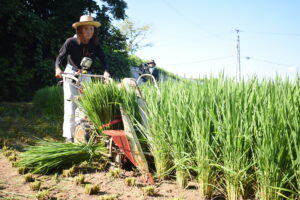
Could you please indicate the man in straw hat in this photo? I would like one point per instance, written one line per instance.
(75, 50)
(149, 68)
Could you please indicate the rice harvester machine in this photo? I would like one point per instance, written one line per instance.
(123, 144)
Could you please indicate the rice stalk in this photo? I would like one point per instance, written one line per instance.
(43, 195)
(205, 146)
(235, 127)
(47, 155)
(130, 181)
(79, 180)
(101, 103)
(35, 186)
(149, 190)
(92, 189)
(274, 167)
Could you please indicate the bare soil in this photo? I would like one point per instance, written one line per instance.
(13, 186)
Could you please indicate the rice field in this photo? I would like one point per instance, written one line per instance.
(238, 139)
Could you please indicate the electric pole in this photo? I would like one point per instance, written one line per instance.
(238, 63)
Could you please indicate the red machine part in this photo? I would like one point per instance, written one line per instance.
(120, 139)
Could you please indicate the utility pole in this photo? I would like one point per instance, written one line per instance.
(238, 64)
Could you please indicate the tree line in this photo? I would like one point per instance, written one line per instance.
(32, 32)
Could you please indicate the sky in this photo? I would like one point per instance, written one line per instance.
(197, 38)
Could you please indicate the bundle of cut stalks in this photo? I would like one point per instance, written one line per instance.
(47, 155)
(101, 103)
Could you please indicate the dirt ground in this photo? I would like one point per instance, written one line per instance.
(13, 186)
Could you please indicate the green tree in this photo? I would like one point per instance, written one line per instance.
(32, 32)
(135, 35)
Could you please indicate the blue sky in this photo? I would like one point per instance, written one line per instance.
(197, 38)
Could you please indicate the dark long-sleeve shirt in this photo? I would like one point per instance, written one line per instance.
(72, 53)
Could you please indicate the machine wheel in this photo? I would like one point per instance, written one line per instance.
(81, 134)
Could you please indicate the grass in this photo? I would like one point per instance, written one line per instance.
(49, 101)
(21, 124)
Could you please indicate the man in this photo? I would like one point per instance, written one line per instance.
(85, 46)
(149, 68)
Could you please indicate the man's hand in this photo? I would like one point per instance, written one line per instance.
(78, 72)
(106, 75)
(58, 72)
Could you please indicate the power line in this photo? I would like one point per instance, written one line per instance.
(204, 60)
(267, 61)
(191, 40)
(272, 33)
(193, 22)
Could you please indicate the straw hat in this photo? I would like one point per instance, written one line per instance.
(151, 62)
(86, 20)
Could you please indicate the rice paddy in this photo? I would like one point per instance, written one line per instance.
(240, 139)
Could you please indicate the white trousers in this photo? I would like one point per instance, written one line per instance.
(69, 105)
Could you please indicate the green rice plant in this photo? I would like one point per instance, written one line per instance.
(101, 103)
(79, 180)
(35, 186)
(149, 190)
(180, 137)
(28, 178)
(233, 125)
(109, 197)
(157, 129)
(241, 136)
(276, 117)
(294, 148)
(169, 132)
(91, 189)
(294, 140)
(49, 101)
(49, 155)
(130, 181)
(43, 195)
(204, 137)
